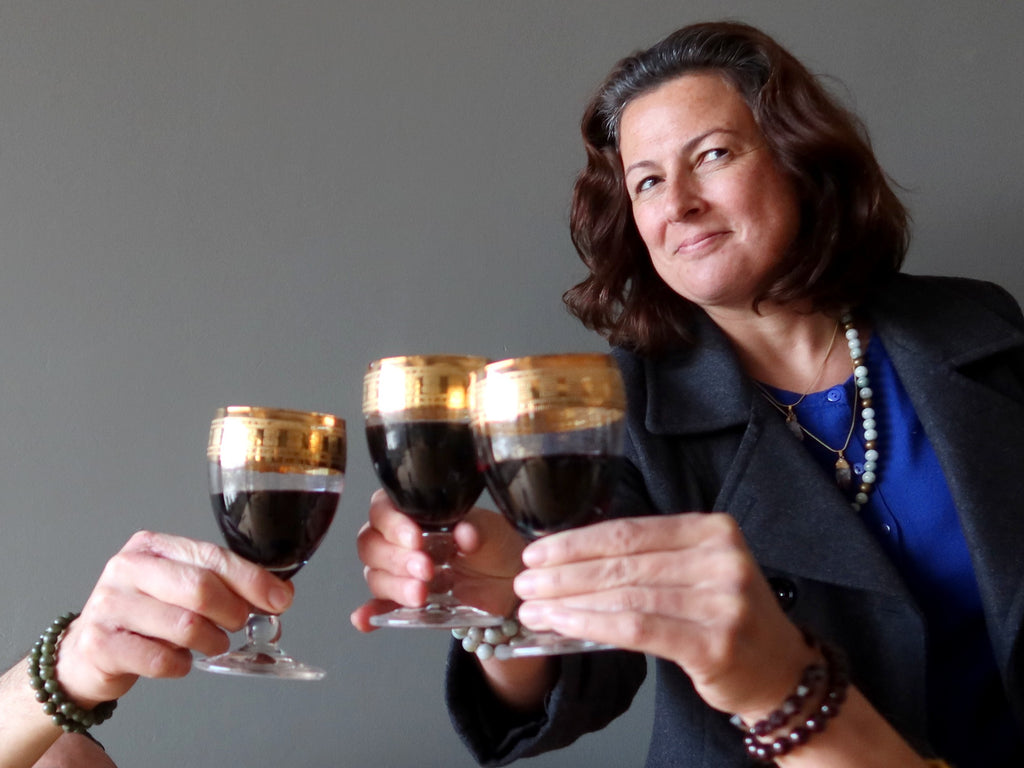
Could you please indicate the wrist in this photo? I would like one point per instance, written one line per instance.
(50, 693)
(805, 712)
(781, 677)
(74, 676)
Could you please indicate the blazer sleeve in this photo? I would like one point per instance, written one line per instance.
(591, 689)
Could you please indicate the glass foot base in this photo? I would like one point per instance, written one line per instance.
(436, 617)
(547, 644)
(254, 663)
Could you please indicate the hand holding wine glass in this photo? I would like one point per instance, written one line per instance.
(276, 477)
(421, 445)
(549, 432)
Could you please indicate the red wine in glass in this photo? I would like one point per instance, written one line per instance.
(428, 468)
(554, 492)
(279, 530)
(423, 451)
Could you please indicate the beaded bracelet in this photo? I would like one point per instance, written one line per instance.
(814, 675)
(483, 641)
(42, 673)
(834, 670)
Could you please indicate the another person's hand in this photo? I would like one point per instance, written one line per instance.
(398, 570)
(158, 599)
(683, 587)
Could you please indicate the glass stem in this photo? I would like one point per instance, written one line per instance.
(440, 545)
(262, 631)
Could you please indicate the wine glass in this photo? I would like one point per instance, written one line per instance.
(550, 432)
(421, 445)
(276, 478)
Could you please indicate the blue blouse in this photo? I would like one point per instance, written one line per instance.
(911, 513)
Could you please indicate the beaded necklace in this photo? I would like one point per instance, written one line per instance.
(844, 476)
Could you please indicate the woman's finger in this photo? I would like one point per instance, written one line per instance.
(403, 590)
(488, 544)
(393, 525)
(633, 535)
(361, 616)
(378, 553)
(726, 567)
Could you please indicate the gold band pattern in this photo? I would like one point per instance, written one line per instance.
(277, 440)
(426, 385)
(554, 393)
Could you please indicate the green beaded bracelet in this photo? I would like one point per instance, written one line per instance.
(42, 673)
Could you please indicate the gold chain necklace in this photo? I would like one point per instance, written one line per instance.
(844, 477)
(787, 410)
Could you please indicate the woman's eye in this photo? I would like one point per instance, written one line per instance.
(713, 154)
(645, 184)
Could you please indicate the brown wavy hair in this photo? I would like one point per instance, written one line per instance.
(853, 230)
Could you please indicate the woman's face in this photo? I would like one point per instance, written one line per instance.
(716, 213)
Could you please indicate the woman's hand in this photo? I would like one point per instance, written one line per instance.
(159, 598)
(683, 587)
(398, 570)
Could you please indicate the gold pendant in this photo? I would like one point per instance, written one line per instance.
(793, 424)
(844, 477)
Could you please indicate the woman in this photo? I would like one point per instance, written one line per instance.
(158, 599)
(857, 564)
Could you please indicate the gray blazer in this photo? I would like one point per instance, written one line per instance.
(701, 440)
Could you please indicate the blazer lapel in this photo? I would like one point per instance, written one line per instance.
(795, 518)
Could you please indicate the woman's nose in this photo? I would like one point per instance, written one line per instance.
(683, 199)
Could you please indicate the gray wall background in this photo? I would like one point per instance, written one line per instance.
(224, 201)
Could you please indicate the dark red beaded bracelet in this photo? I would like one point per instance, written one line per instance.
(833, 670)
(814, 676)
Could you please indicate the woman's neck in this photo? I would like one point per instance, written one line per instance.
(788, 349)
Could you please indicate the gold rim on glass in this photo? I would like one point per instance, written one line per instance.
(277, 440)
(547, 393)
(421, 386)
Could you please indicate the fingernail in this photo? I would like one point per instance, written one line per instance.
(417, 568)
(280, 597)
(410, 539)
(535, 554)
(525, 584)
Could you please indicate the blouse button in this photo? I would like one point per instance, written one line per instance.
(785, 591)
(835, 395)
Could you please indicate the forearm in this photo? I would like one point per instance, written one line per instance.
(25, 731)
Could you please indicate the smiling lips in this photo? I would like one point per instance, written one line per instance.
(699, 241)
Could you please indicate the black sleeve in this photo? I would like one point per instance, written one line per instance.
(592, 689)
